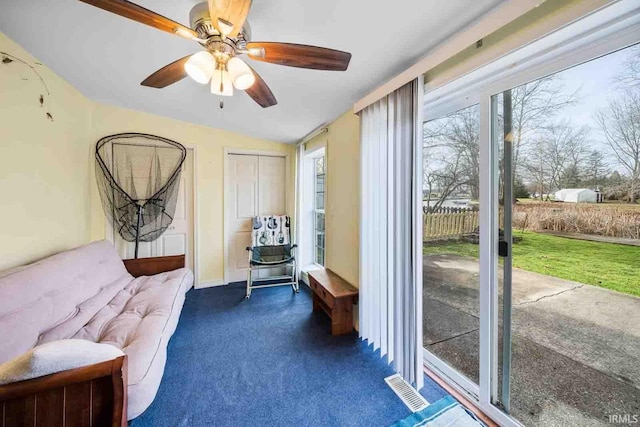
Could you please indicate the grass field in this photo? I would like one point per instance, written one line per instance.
(607, 265)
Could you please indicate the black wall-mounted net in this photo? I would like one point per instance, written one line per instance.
(138, 179)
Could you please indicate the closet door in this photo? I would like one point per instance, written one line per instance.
(271, 196)
(241, 207)
(271, 185)
(256, 186)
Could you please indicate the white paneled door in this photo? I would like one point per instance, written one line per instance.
(256, 186)
(178, 238)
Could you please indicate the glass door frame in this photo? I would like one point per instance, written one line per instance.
(609, 29)
(437, 109)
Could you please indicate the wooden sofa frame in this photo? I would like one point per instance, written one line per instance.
(93, 395)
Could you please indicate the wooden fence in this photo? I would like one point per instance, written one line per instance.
(449, 223)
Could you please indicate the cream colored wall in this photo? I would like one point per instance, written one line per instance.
(342, 211)
(209, 144)
(47, 179)
(44, 164)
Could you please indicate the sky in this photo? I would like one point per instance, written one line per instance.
(596, 85)
(594, 82)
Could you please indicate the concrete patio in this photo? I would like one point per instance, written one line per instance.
(576, 347)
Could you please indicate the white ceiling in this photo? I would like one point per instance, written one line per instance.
(106, 56)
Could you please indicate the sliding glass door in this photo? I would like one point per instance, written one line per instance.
(568, 147)
(451, 209)
(531, 253)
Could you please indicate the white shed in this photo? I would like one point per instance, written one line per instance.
(576, 195)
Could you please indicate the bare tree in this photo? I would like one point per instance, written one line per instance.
(451, 144)
(596, 169)
(629, 77)
(451, 151)
(534, 105)
(446, 178)
(465, 135)
(538, 168)
(558, 154)
(571, 141)
(620, 124)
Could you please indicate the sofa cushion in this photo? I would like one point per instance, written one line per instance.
(139, 319)
(42, 295)
(55, 356)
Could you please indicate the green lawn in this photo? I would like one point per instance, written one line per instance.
(606, 265)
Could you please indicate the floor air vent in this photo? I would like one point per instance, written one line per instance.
(414, 400)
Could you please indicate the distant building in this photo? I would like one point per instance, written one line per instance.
(576, 195)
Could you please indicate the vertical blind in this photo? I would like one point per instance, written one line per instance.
(390, 310)
(299, 207)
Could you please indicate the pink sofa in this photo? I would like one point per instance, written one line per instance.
(87, 293)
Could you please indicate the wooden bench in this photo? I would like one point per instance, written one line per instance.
(336, 297)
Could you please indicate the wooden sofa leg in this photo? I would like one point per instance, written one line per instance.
(94, 395)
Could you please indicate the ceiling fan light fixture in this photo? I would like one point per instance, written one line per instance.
(221, 28)
(240, 73)
(221, 83)
(225, 26)
(200, 67)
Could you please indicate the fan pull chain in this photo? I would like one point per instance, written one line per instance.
(221, 88)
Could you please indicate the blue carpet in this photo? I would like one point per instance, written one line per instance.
(270, 361)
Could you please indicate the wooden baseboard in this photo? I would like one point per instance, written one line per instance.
(460, 398)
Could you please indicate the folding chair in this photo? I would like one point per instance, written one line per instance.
(271, 248)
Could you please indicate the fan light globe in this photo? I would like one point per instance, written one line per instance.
(200, 67)
(241, 75)
(221, 83)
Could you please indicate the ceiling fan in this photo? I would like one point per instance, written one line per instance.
(221, 28)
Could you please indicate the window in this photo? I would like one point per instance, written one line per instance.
(311, 241)
(451, 208)
(318, 209)
(516, 156)
(570, 140)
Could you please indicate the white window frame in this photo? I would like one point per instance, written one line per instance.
(307, 239)
(612, 28)
(317, 211)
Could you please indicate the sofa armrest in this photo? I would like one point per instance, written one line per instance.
(150, 266)
(90, 395)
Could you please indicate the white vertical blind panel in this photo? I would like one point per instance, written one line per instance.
(418, 103)
(364, 310)
(389, 294)
(299, 207)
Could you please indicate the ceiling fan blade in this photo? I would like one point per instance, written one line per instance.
(260, 92)
(228, 16)
(168, 74)
(143, 16)
(299, 55)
